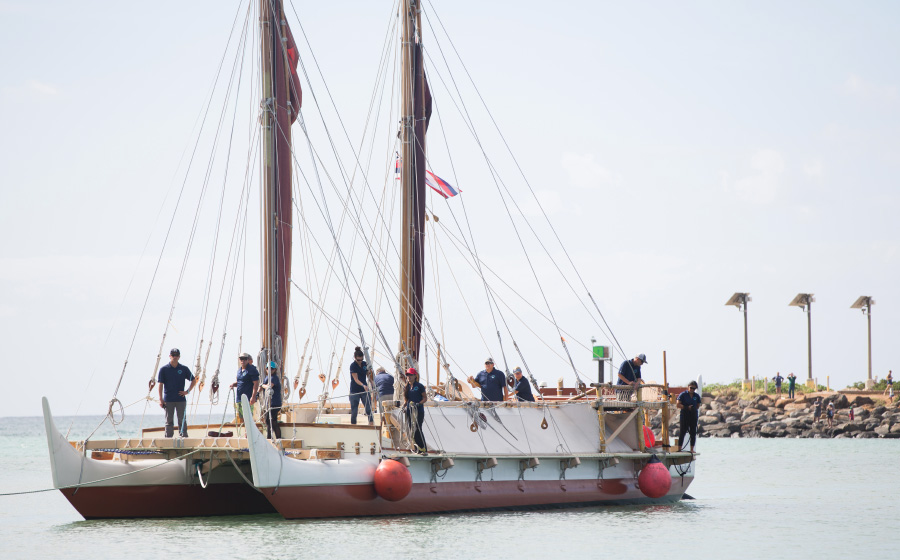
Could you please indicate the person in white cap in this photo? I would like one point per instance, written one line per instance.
(522, 390)
(630, 371)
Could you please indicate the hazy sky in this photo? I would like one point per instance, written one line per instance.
(684, 151)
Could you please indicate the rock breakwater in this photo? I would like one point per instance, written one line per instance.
(729, 415)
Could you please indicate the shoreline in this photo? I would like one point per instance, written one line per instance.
(729, 415)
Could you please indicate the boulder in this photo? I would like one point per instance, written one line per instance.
(860, 413)
(879, 411)
(732, 419)
(792, 406)
(839, 400)
(865, 435)
(852, 427)
(781, 403)
(882, 430)
(860, 400)
(708, 419)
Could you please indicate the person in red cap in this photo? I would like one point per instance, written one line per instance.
(414, 397)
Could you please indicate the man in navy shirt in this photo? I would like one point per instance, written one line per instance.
(247, 383)
(172, 378)
(778, 381)
(492, 382)
(384, 384)
(414, 395)
(630, 371)
(522, 389)
(272, 387)
(689, 405)
(358, 390)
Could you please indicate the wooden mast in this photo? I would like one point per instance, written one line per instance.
(277, 114)
(415, 112)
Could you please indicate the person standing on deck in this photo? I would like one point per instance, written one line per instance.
(358, 391)
(689, 405)
(630, 371)
(778, 379)
(522, 390)
(272, 386)
(792, 384)
(384, 384)
(492, 382)
(247, 383)
(172, 378)
(414, 399)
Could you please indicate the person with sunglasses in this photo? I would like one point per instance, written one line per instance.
(689, 405)
(358, 388)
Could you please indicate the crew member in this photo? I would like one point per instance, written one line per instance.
(272, 387)
(492, 382)
(172, 378)
(358, 391)
(522, 389)
(247, 383)
(384, 384)
(630, 370)
(689, 404)
(414, 403)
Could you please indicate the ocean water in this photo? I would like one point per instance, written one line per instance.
(754, 498)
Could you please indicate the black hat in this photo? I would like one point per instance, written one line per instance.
(175, 352)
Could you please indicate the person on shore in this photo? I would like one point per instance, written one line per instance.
(522, 390)
(778, 379)
(889, 388)
(384, 385)
(817, 411)
(272, 387)
(492, 382)
(829, 413)
(689, 405)
(358, 391)
(792, 383)
(247, 383)
(172, 396)
(414, 403)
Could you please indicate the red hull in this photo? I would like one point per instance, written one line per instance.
(295, 502)
(167, 501)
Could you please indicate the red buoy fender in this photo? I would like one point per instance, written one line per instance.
(655, 479)
(393, 480)
(649, 438)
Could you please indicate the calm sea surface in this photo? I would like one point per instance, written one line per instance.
(755, 498)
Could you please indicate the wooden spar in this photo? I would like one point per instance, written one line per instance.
(415, 111)
(664, 432)
(276, 119)
(268, 124)
(437, 381)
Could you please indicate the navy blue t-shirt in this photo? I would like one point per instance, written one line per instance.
(415, 394)
(360, 371)
(523, 389)
(384, 382)
(778, 379)
(173, 380)
(687, 399)
(275, 380)
(630, 371)
(245, 379)
(491, 384)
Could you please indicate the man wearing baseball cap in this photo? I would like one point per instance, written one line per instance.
(492, 382)
(522, 390)
(630, 371)
(247, 383)
(172, 378)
